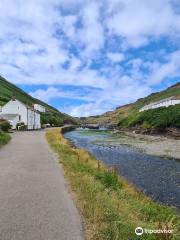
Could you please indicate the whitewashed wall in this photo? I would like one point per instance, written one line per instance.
(39, 108)
(16, 107)
(30, 114)
(166, 103)
(37, 120)
(14, 122)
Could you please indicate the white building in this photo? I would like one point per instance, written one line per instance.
(162, 103)
(39, 108)
(17, 112)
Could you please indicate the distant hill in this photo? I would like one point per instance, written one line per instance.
(7, 90)
(114, 117)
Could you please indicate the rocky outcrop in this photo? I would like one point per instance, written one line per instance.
(173, 132)
(168, 132)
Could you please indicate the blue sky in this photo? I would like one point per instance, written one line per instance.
(86, 57)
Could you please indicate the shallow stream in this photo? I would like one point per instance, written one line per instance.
(157, 177)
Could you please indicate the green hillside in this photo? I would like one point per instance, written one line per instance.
(7, 90)
(120, 113)
(159, 118)
(154, 97)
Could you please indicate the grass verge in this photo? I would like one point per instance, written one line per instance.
(112, 209)
(4, 138)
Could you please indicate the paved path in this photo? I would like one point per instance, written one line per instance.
(34, 200)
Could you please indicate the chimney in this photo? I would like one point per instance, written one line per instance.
(13, 97)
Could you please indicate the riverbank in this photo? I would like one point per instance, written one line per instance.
(153, 145)
(4, 138)
(111, 207)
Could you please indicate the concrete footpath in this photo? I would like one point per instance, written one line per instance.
(34, 199)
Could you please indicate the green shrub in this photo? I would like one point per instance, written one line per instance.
(109, 179)
(147, 125)
(4, 138)
(5, 126)
(129, 121)
(52, 119)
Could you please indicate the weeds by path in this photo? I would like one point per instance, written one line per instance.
(4, 138)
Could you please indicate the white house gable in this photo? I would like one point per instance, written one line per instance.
(16, 107)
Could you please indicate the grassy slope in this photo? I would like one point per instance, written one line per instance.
(111, 207)
(4, 138)
(159, 118)
(124, 111)
(8, 89)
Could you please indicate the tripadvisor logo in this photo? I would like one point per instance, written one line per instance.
(139, 231)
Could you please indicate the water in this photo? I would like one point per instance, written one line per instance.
(157, 177)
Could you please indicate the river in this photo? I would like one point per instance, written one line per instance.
(157, 177)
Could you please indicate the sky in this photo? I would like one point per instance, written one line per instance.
(86, 57)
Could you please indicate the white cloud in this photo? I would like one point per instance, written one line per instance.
(54, 92)
(122, 91)
(48, 94)
(67, 24)
(115, 57)
(92, 32)
(169, 69)
(136, 21)
(58, 42)
(89, 109)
